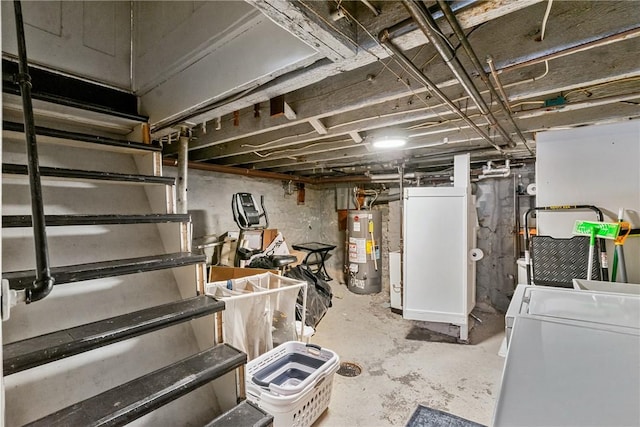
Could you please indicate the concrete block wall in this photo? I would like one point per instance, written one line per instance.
(209, 203)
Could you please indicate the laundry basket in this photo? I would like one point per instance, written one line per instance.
(259, 311)
(292, 382)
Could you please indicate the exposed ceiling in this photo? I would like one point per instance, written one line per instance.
(560, 64)
(344, 72)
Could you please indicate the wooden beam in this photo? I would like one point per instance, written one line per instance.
(318, 126)
(360, 93)
(311, 23)
(326, 68)
(603, 66)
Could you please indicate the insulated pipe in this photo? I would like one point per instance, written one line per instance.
(429, 27)
(391, 176)
(402, 58)
(241, 171)
(503, 101)
(43, 284)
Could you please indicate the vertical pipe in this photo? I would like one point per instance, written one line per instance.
(43, 283)
(401, 178)
(183, 163)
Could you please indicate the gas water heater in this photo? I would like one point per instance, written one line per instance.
(364, 262)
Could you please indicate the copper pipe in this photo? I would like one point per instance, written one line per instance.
(255, 173)
(240, 171)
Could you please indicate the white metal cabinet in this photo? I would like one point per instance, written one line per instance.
(439, 276)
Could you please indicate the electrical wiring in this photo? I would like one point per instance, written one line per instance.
(545, 19)
(375, 39)
(527, 103)
(301, 148)
(600, 85)
(277, 140)
(542, 32)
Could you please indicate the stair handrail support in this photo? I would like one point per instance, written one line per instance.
(43, 284)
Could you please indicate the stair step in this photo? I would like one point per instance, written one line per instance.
(130, 401)
(16, 221)
(56, 135)
(97, 270)
(10, 168)
(59, 89)
(36, 351)
(246, 414)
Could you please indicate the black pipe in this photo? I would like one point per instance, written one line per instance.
(43, 284)
(430, 29)
(404, 60)
(457, 29)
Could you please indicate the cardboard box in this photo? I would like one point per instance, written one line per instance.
(252, 239)
(300, 255)
(217, 273)
(228, 252)
(267, 237)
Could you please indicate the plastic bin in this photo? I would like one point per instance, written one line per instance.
(292, 382)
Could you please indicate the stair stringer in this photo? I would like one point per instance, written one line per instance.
(63, 382)
(224, 388)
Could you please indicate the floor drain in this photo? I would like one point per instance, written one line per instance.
(349, 369)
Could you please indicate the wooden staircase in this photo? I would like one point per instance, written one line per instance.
(125, 334)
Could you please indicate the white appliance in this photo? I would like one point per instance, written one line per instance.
(573, 359)
(439, 234)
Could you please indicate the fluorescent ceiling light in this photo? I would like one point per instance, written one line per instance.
(389, 141)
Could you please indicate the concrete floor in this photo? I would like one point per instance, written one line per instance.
(402, 367)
